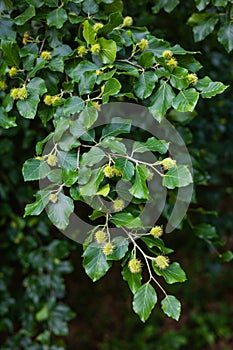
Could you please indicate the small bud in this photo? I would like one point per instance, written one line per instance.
(127, 22)
(108, 248)
(167, 54)
(82, 51)
(118, 205)
(3, 85)
(52, 160)
(143, 44)
(13, 72)
(108, 171)
(100, 236)
(192, 78)
(97, 26)
(156, 231)
(46, 55)
(53, 197)
(25, 38)
(172, 62)
(39, 158)
(135, 265)
(149, 175)
(48, 100)
(95, 49)
(162, 262)
(168, 163)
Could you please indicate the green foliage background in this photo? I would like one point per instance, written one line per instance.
(42, 283)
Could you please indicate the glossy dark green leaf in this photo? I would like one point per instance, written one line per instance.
(60, 211)
(10, 53)
(144, 301)
(108, 50)
(34, 169)
(88, 32)
(213, 89)
(94, 262)
(171, 307)
(73, 105)
(139, 188)
(127, 220)
(120, 245)
(225, 34)
(115, 19)
(205, 231)
(161, 100)
(186, 100)
(92, 157)
(25, 16)
(91, 187)
(152, 144)
(57, 18)
(35, 208)
(167, 5)
(201, 4)
(145, 85)
(133, 279)
(125, 167)
(172, 274)
(178, 176)
(6, 122)
(114, 145)
(111, 88)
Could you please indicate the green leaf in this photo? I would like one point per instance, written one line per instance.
(178, 78)
(42, 314)
(73, 105)
(90, 7)
(35, 208)
(69, 177)
(225, 35)
(115, 19)
(145, 85)
(133, 279)
(10, 53)
(125, 167)
(114, 145)
(88, 117)
(86, 82)
(60, 211)
(6, 122)
(144, 301)
(28, 108)
(156, 242)
(37, 87)
(203, 23)
(201, 4)
(34, 169)
(186, 100)
(88, 32)
(179, 176)
(227, 256)
(172, 274)
(139, 188)
(213, 89)
(120, 248)
(116, 128)
(25, 16)
(220, 2)
(92, 157)
(91, 187)
(205, 231)
(111, 88)
(108, 50)
(171, 307)
(57, 18)
(127, 220)
(94, 262)
(161, 100)
(152, 144)
(167, 5)
(104, 191)
(146, 60)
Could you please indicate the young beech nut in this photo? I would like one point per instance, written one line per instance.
(46, 55)
(143, 44)
(108, 171)
(13, 72)
(52, 159)
(118, 204)
(108, 248)
(100, 236)
(167, 54)
(192, 78)
(3, 85)
(82, 50)
(156, 231)
(168, 163)
(53, 197)
(135, 265)
(172, 63)
(127, 22)
(162, 262)
(95, 49)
